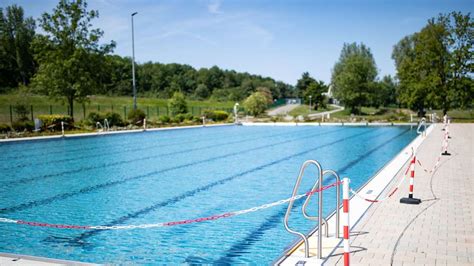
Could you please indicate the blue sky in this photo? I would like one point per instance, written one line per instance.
(281, 39)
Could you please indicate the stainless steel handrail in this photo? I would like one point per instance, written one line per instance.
(338, 204)
(422, 123)
(320, 210)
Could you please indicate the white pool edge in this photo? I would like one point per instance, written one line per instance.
(377, 184)
(93, 134)
(17, 259)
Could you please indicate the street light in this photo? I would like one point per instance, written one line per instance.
(310, 103)
(133, 67)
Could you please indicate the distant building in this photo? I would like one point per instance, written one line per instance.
(330, 96)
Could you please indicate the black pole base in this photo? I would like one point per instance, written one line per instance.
(443, 129)
(446, 153)
(449, 137)
(410, 201)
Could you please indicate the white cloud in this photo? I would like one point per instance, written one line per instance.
(214, 7)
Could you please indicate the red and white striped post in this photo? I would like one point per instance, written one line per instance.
(410, 199)
(445, 144)
(345, 220)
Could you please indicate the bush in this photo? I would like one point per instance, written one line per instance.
(164, 119)
(93, 118)
(136, 116)
(53, 122)
(4, 128)
(216, 115)
(21, 111)
(179, 118)
(177, 104)
(256, 103)
(114, 119)
(23, 126)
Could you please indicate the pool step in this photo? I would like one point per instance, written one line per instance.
(297, 254)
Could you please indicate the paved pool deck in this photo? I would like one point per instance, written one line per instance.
(440, 230)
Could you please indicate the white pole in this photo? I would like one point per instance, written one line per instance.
(345, 221)
(133, 67)
(62, 127)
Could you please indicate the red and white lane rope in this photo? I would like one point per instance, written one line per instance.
(165, 224)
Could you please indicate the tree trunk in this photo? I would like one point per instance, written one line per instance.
(71, 106)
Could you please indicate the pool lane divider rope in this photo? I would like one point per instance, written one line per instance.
(167, 224)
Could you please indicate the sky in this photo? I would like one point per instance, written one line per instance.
(280, 39)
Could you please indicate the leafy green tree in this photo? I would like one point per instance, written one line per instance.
(256, 103)
(177, 104)
(303, 83)
(316, 90)
(16, 57)
(354, 75)
(267, 93)
(69, 55)
(434, 66)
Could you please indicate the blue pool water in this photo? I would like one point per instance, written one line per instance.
(172, 175)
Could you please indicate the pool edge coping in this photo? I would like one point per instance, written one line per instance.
(399, 158)
(97, 134)
(31, 259)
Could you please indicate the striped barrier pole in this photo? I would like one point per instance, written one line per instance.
(345, 222)
(445, 145)
(410, 199)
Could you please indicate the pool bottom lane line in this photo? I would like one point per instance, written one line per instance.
(89, 189)
(80, 239)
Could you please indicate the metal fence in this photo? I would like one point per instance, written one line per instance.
(8, 113)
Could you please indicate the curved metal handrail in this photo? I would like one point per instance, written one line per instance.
(422, 123)
(290, 206)
(338, 203)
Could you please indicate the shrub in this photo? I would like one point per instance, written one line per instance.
(136, 116)
(114, 119)
(23, 126)
(220, 115)
(179, 118)
(256, 103)
(53, 122)
(164, 119)
(189, 117)
(177, 104)
(4, 128)
(93, 118)
(216, 115)
(21, 111)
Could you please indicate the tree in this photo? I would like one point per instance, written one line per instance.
(303, 83)
(177, 104)
(16, 57)
(435, 66)
(267, 93)
(256, 103)
(316, 90)
(353, 76)
(69, 55)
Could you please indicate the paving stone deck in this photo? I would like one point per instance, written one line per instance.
(439, 231)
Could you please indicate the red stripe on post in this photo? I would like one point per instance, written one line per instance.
(411, 188)
(346, 232)
(346, 259)
(345, 205)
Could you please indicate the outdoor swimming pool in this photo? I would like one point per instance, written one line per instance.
(163, 176)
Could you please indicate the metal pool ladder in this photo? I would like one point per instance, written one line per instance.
(421, 124)
(321, 221)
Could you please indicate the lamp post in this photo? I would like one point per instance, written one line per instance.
(310, 103)
(236, 112)
(133, 67)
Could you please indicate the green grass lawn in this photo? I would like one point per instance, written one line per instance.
(304, 110)
(122, 105)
